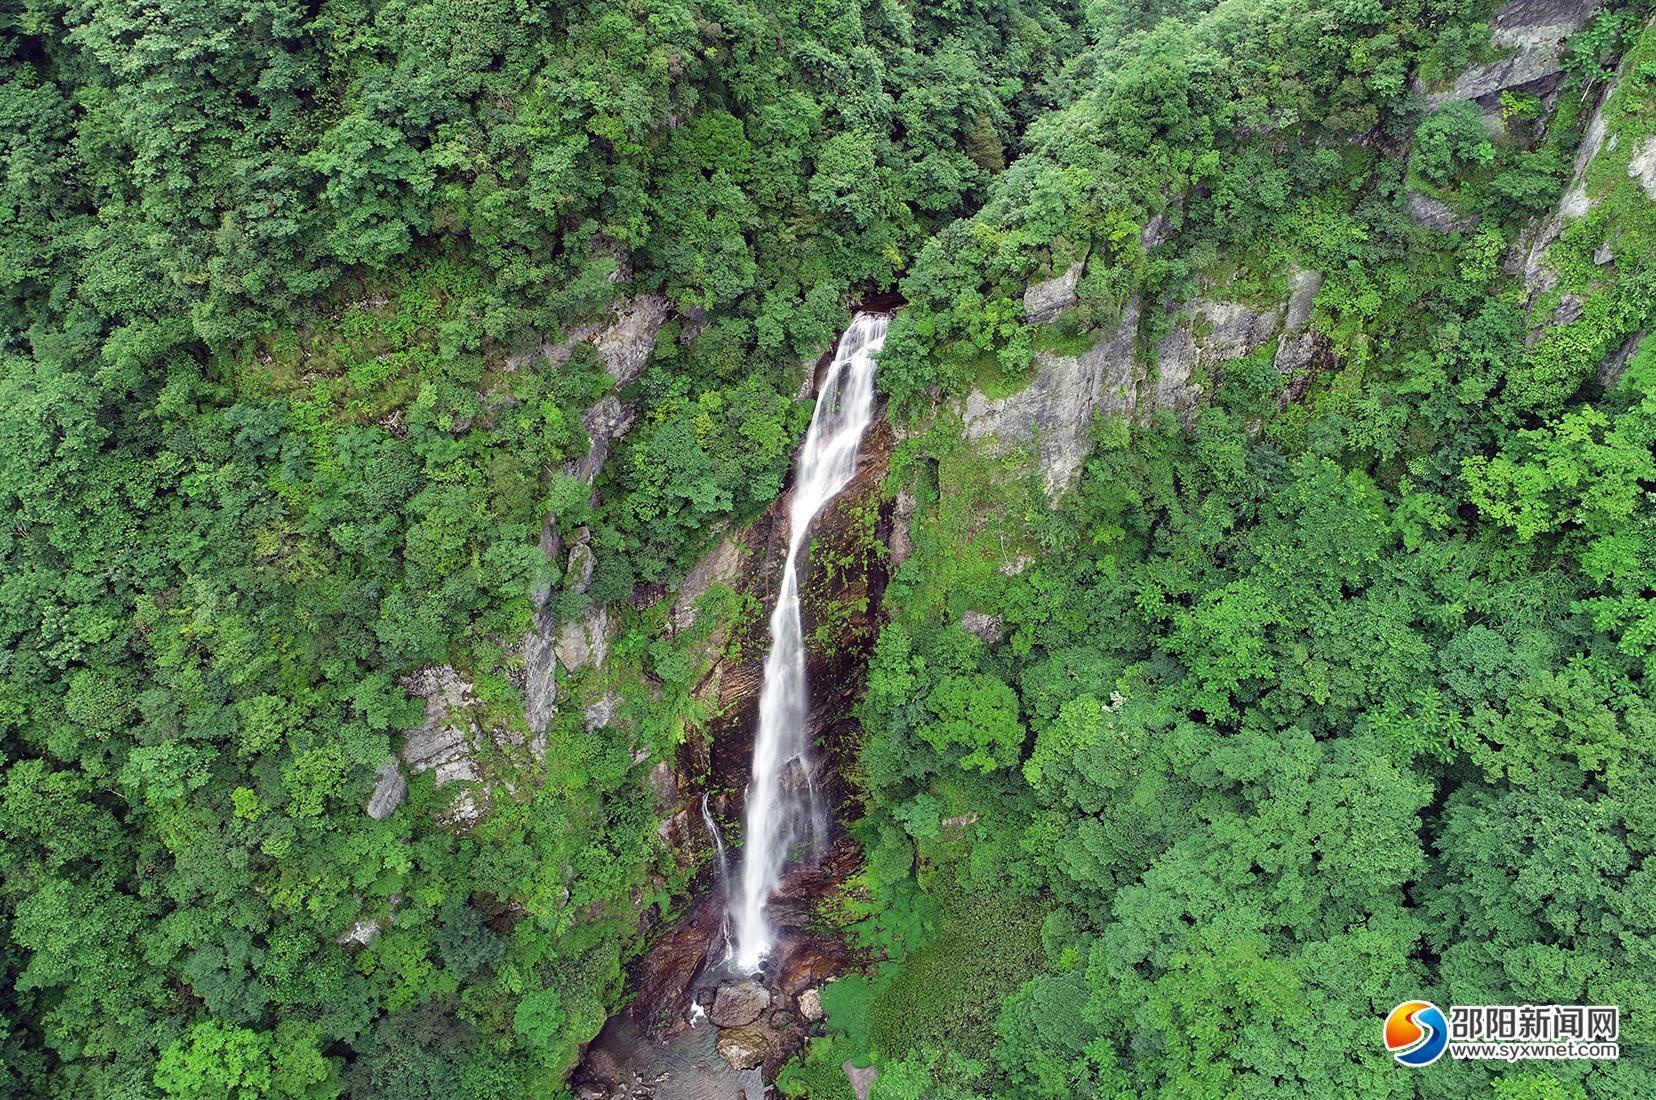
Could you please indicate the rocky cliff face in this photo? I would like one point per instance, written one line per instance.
(454, 731)
(1050, 419)
(1602, 215)
(1529, 35)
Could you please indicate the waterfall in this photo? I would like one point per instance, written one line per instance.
(783, 809)
(722, 862)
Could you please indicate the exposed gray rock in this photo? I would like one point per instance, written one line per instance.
(1234, 330)
(1044, 302)
(1054, 413)
(1576, 202)
(984, 625)
(810, 1004)
(1015, 565)
(743, 1047)
(600, 714)
(442, 744)
(1642, 166)
(583, 640)
(390, 791)
(578, 573)
(1437, 215)
(1157, 231)
(360, 934)
(1051, 418)
(626, 344)
(739, 1004)
(1569, 309)
(439, 744)
(606, 422)
(902, 518)
(1534, 30)
(720, 565)
(862, 1080)
(1611, 370)
(1298, 344)
(664, 782)
(540, 667)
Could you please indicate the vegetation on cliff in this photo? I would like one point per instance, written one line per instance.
(1330, 696)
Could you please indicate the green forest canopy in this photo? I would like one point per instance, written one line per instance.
(1300, 710)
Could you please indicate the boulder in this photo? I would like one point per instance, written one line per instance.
(583, 640)
(600, 714)
(810, 1005)
(578, 573)
(1044, 302)
(739, 1004)
(743, 1047)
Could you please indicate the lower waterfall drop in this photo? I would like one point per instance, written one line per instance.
(783, 807)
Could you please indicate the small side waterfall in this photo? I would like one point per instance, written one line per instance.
(783, 809)
(721, 864)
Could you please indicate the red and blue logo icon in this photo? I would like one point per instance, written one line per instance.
(1416, 1033)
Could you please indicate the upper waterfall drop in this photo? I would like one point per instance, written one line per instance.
(782, 804)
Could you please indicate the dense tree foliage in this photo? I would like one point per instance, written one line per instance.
(1300, 708)
(1297, 710)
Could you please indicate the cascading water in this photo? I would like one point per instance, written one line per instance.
(722, 861)
(782, 804)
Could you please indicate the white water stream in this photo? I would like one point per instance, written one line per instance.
(783, 810)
